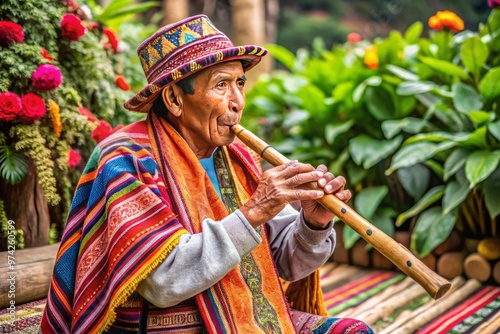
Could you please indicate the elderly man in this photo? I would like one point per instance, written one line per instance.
(173, 228)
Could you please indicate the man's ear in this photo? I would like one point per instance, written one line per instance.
(172, 99)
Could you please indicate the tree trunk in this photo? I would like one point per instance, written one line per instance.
(25, 204)
(248, 21)
(175, 10)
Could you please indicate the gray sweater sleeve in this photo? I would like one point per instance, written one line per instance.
(202, 259)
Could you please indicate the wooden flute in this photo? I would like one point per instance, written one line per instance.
(398, 254)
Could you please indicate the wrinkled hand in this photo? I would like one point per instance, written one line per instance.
(287, 183)
(316, 216)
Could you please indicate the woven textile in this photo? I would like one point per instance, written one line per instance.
(181, 49)
(120, 226)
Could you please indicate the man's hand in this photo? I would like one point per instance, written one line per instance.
(287, 183)
(316, 216)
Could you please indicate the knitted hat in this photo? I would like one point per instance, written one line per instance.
(181, 49)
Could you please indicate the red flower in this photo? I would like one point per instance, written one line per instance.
(494, 3)
(73, 158)
(103, 130)
(45, 54)
(121, 83)
(87, 113)
(33, 108)
(10, 106)
(46, 77)
(72, 27)
(354, 38)
(10, 32)
(113, 38)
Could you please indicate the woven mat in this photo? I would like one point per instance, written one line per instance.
(370, 295)
(357, 293)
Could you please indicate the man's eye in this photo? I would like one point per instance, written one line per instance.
(221, 84)
(241, 83)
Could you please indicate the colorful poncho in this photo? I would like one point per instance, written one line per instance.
(128, 213)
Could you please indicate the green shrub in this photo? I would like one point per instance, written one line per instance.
(411, 121)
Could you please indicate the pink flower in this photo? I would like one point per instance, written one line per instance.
(74, 158)
(103, 130)
(354, 38)
(72, 27)
(10, 32)
(33, 108)
(46, 77)
(10, 106)
(494, 3)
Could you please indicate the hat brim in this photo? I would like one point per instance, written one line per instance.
(143, 100)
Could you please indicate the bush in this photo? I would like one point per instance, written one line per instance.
(63, 77)
(412, 122)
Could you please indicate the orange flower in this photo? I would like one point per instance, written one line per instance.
(55, 116)
(446, 20)
(121, 83)
(113, 38)
(371, 58)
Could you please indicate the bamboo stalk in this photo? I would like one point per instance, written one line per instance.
(375, 301)
(438, 308)
(456, 283)
(480, 212)
(388, 306)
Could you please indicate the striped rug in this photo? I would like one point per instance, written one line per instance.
(394, 304)
(373, 296)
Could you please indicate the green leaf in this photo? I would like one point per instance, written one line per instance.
(332, 131)
(415, 87)
(409, 124)
(350, 237)
(489, 86)
(368, 152)
(402, 73)
(368, 200)
(494, 129)
(480, 165)
(414, 153)
(107, 15)
(454, 195)
(431, 229)
(380, 103)
(436, 167)
(465, 98)
(474, 54)
(13, 164)
(427, 200)
(413, 32)
(295, 117)
(414, 179)
(491, 193)
(360, 90)
(444, 66)
(282, 54)
(481, 116)
(455, 162)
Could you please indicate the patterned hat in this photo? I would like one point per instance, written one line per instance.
(181, 49)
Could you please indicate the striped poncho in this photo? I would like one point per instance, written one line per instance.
(124, 221)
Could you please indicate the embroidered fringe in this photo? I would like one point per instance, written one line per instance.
(132, 286)
(306, 295)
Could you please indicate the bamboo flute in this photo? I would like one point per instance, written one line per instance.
(434, 284)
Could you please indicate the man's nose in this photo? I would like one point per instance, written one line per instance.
(237, 102)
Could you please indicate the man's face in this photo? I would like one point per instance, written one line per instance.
(216, 105)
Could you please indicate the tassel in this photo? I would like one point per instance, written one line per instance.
(306, 295)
